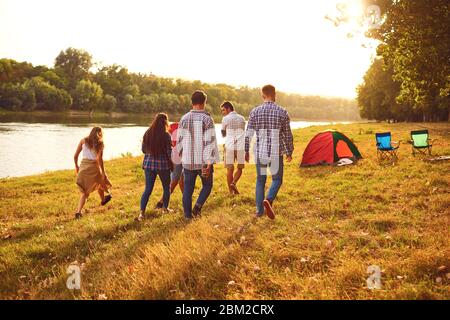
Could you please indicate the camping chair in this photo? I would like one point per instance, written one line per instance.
(385, 149)
(421, 142)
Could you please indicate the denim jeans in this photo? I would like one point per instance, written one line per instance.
(190, 176)
(150, 178)
(276, 169)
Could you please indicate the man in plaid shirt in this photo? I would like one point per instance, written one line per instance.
(197, 147)
(271, 124)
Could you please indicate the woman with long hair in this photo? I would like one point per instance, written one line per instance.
(91, 175)
(157, 147)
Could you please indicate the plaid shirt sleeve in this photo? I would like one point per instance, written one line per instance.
(287, 141)
(210, 142)
(249, 133)
(169, 147)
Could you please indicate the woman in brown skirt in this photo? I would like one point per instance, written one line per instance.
(91, 175)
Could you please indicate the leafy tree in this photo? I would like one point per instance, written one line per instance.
(13, 71)
(74, 65)
(113, 80)
(87, 95)
(109, 103)
(415, 45)
(376, 95)
(48, 96)
(53, 78)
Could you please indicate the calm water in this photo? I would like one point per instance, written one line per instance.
(32, 145)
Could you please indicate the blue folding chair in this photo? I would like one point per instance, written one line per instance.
(385, 148)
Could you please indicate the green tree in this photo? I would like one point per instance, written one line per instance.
(87, 95)
(73, 65)
(377, 94)
(48, 96)
(415, 45)
(109, 103)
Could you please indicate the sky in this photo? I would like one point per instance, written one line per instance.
(288, 43)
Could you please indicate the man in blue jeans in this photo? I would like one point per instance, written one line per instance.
(197, 147)
(271, 124)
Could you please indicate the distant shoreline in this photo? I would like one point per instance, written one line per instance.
(122, 115)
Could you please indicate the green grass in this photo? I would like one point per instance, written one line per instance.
(332, 223)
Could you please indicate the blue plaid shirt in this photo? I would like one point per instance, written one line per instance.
(160, 161)
(272, 126)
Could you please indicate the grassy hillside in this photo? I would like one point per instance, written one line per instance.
(332, 223)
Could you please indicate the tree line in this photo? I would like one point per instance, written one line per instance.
(72, 85)
(410, 78)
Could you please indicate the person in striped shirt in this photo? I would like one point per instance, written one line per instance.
(197, 147)
(271, 124)
(233, 130)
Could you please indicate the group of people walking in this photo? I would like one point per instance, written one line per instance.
(179, 153)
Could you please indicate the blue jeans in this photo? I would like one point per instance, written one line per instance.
(176, 173)
(190, 176)
(261, 177)
(150, 178)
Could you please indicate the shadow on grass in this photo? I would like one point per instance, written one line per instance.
(44, 260)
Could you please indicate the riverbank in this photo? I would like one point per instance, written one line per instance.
(332, 223)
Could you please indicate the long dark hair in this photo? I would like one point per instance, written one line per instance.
(155, 138)
(95, 139)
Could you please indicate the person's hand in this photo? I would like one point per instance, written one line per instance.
(206, 171)
(77, 169)
(289, 158)
(247, 157)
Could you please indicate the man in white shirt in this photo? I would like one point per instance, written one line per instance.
(233, 130)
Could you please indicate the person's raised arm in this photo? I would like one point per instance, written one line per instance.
(77, 154)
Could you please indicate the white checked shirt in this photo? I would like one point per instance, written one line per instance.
(233, 124)
(197, 143)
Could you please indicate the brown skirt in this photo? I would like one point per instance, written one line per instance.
(89, 178)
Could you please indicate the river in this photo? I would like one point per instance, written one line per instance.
(35, 145)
